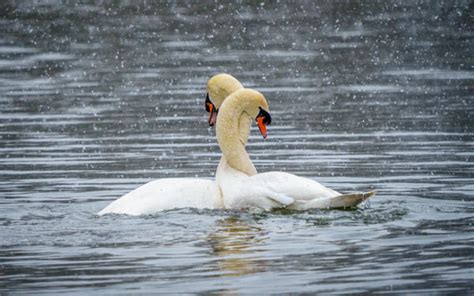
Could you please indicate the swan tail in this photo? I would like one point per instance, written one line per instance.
(349, 200)
(340, 201)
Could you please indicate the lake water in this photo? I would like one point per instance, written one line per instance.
(96, 100)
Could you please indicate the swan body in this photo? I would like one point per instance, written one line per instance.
(167, 194)
(172, 193)
(271, 190)
(243, 187)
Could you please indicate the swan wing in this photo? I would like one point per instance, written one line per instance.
(298, 188)
(307, 193)
(246, 194)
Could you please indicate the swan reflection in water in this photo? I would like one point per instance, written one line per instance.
(237, 245)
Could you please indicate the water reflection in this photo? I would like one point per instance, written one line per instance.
(236, 244)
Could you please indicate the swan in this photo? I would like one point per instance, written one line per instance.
(172, 193)
(237, 178)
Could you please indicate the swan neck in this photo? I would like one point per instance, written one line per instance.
(233, 129)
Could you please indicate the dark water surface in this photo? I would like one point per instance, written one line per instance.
(98, 99)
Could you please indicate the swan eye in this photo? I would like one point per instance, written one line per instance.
(266, 117)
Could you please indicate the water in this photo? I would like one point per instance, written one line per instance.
(98, 99)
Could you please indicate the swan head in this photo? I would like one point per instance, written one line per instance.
(256, 106)
(218, 88)
(252, 104)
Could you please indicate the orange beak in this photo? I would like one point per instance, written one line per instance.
(261, 126)
(212, 115)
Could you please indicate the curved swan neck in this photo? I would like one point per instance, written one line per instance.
(244, 130)
(232, 129)
(220, 86)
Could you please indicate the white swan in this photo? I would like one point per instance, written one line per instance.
(237, 177)
(172, 193)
